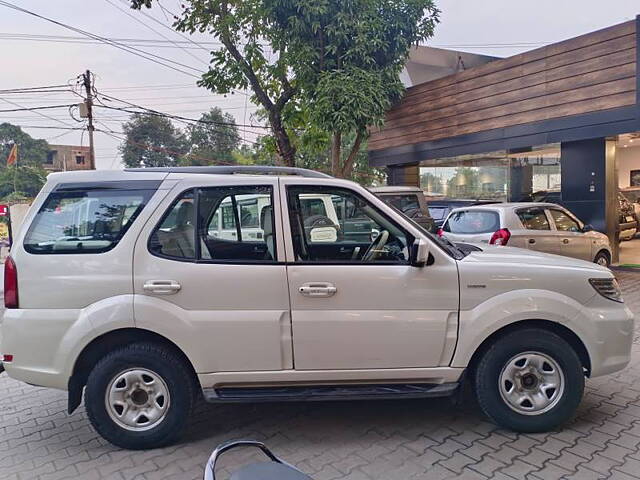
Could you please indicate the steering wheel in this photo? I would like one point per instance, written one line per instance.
(376, 246)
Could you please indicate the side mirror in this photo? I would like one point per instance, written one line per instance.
(587, 228)
(419, 256)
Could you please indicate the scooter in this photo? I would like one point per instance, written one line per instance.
(275, 469)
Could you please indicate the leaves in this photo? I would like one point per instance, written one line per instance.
(152, 141)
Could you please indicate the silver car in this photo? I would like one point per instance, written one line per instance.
(545, 227)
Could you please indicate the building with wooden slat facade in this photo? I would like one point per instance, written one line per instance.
(553, 118)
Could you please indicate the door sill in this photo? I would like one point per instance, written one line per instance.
(328, 392)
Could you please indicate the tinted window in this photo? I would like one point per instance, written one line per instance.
(472, 221)
(91, 221)
(404, 203)
(175, 235)
(564, 222)
(534, 219)
(352, 231)
(230, 224)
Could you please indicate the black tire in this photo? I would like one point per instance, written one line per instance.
(177, 378)
(602, 255)
(488, 371)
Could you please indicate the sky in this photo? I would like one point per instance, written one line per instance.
(493, 27)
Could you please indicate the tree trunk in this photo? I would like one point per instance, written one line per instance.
(286, 151)
(336, 168)
(347, 168)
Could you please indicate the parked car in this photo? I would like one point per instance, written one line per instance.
(628, 224)
(115, 287)
(632, 194)
(409, 200)
(439, 208)
(544, 227)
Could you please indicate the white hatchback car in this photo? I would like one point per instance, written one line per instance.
(123, 285)
(545, 227)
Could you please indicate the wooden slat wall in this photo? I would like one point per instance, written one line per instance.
(592, 72)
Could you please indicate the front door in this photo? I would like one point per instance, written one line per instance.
(209, 274)
(356, 302)
(573, 242)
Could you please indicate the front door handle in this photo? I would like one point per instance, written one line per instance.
(532, 241)
(318, 289)
(565, 241)
(161, 287)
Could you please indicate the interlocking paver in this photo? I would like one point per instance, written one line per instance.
(401, 440)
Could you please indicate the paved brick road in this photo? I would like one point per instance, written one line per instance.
(352, 440)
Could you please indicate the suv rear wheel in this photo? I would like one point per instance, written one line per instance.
(530, 380)
(140, 396)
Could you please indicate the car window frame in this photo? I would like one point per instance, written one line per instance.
(544, 212)
(198, 245)
(62, 189)
(411, 238)
(568, 214)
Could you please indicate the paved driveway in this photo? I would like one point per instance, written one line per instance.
(352, 440)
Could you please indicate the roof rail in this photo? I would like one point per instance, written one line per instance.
(236, 169)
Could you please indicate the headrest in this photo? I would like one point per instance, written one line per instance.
(185, 214)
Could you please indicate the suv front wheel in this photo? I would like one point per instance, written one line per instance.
(139, 396)
(530, 380)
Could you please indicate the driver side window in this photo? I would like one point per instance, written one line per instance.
(335, 225)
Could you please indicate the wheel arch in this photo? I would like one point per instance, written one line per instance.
(107, 342)
(605, 251)
(562, 331)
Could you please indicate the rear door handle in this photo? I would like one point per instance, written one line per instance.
(161, 287)
(318, 289)
(565, 241)
(532, 241)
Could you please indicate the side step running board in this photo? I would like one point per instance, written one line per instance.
(328, 392)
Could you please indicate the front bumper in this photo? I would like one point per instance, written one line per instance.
(607, 329)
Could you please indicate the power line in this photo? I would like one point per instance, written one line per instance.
(31, 109)
(31, 89)
(155, 31)
(133, 50)
(34, 111)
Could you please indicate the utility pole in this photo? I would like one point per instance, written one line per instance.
(86, 80)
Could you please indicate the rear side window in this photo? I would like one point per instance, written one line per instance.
(472, 221)
(404, 203)
(84, 221)
(534, 219)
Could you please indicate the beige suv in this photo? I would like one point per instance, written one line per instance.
(146, 288)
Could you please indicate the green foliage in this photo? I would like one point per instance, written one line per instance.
(212, 142)
(27, 180)
(31, 151)
(152, 141)
(335, 63)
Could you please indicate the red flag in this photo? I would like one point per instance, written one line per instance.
(12, 159)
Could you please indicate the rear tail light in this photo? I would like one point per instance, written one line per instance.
(10, 284)
(6, 358)
(440, 232)
(501, 237)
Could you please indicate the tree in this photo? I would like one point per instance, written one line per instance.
(213, 140)
(21, 181)
(151, 141)
(431, 183)
(31, 151)
(339, 61)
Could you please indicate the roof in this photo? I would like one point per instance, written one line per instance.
(508, 206)
(394, 189)
(236, 169)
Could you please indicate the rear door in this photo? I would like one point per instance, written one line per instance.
(358, 304)
(536, 232)
(573, 242)
(222, 298)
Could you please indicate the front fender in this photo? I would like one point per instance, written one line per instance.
(479, 323)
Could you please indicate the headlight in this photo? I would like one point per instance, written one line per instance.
(608, 288)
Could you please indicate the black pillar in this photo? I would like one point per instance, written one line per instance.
(589, 184)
